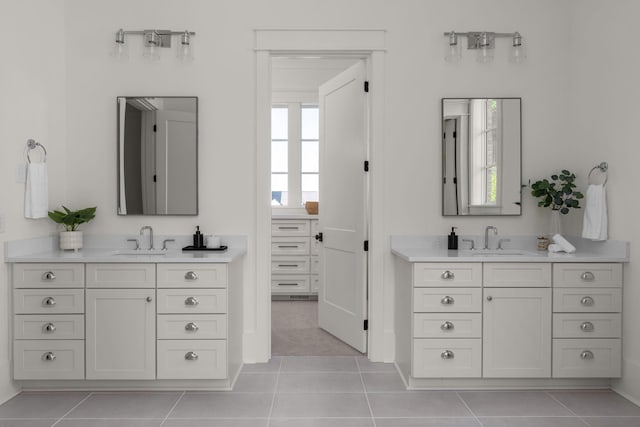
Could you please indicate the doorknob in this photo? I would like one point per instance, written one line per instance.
(319, 237)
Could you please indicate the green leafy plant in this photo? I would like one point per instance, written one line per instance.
(558, 193)
(70, 220)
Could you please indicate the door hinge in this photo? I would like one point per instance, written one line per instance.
(155, 178)
(455, 135)
(366, 165)
(366, 86)
(319, 237)
(155, 128)
(366, 246)
(366, 324)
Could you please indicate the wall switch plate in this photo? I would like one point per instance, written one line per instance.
(21, 174)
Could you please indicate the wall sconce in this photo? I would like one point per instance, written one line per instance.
(484, 43)
(154, 41)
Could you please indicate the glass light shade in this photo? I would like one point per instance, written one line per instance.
(151, 49)
(120, 50)
(517, 52)
(485, 52)
(185, 47)
(454, 53)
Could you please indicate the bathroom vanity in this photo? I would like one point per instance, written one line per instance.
(504, 319)
(102, 319)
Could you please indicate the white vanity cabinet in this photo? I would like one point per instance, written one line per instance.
(295, 264)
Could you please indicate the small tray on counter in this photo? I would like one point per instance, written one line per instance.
(193, 248)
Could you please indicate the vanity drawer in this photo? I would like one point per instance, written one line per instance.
(517, 274)
(121, 276)
(48, 276)
(586, 358)
(293, 227)
(446, 274)
(192, 275)
(289, 284)
(447, 300)
(49, 301)
(603, 275)
(48, 327)
(201, 301)
(588, 325)
(441, 358)
(454, 325)
(290, 246)
(192, 359)
(48, 360)
(587, 300)
(192, 326)
(290, 265)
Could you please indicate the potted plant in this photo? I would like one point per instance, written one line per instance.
(71, 238)
(559, 194)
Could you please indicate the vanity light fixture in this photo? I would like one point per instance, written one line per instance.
(484, 43)
(154, 41)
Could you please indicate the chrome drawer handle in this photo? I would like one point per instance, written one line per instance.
(447, 300)
(49, 356)
(49, 327)
(288, 265)
(489, 298)
(448, 275)
(587, 355)
(192, 355)
(587, 326)
(191, 275)
(191, 327)
(447, 354)
(587, 301)
(446, 326)
(191, 301)
(49, 301)
(149, 299)
(49, 276)
(288, 246)
(587, 276)
(283, 227)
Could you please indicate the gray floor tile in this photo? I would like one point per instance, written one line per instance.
(513, 403)
(41, 404)
(532, 422)
(254, 422)
(427, 422)
(417, 404)
(323, 422)
(27, 423)
(612, 421)
(256, 382)
(366, 365)
(596, 403)
(320, 382)
(223, 405)
(108, 423)
(382, 382)
(272, 365)
(126, 405)
(319, 364)
(320, 405)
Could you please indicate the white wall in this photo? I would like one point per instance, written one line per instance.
(32, 88)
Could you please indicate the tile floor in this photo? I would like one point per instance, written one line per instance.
(339, 391)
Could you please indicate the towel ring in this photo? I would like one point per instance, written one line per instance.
(603, 167)
(32, 145)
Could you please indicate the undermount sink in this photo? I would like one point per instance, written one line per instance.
(496, 252)
(140, 252)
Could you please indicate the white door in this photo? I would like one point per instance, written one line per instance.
(342, 297)
(120, 334)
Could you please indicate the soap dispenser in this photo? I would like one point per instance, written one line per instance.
(453, 239)
(198, 238)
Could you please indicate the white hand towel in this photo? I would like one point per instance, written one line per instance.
(563, 244)
(36, 195)
(553, 248)
(594, 226)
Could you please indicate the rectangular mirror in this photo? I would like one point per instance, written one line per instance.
(481, 156)
(157, 155)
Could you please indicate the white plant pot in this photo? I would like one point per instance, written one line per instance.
(70, 240)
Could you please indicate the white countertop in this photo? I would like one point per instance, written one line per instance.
(434, 249)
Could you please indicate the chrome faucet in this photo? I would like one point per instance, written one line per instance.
(148, 227)
(486, 235)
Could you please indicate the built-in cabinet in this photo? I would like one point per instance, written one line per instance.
(295, 264)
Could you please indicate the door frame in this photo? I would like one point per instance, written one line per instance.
(369, 45)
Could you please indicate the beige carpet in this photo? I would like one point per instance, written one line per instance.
(295, 332)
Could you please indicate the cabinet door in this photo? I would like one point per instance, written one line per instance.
(120, 334)
(517, 333)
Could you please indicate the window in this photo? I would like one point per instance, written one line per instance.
(295, 154)
(484, 152)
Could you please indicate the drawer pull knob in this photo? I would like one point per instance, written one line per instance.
(588, 276)
(447, 354)
(49, 276)
(49, 356)
(448, 275)
(49, 301)
(191, 275)
(191, 301)
(489, 298)
(149, 299)
(446, 326)
(191, 327)
(587, 301)
(587, 326)
(192, 355)
(586, 355)
(49, 327)
(447, 300)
